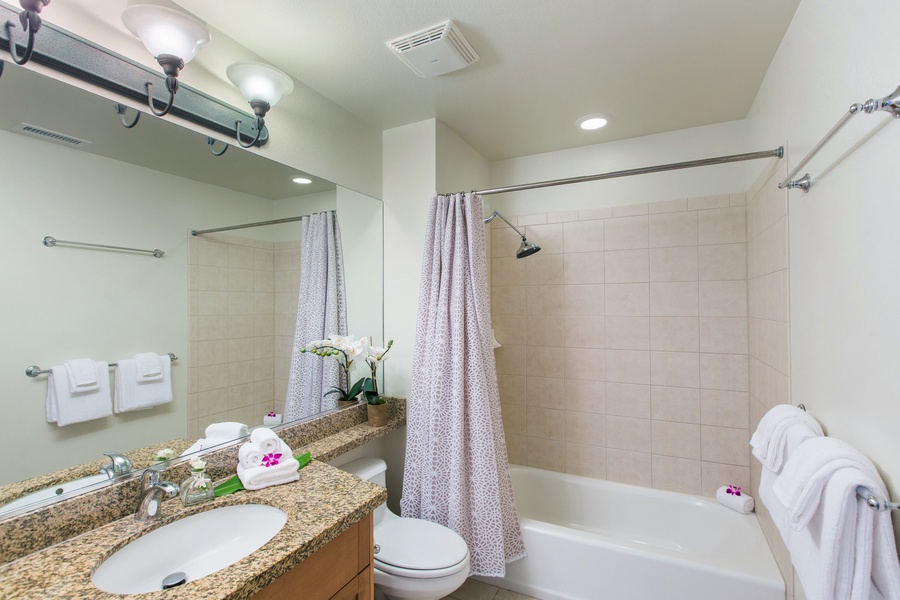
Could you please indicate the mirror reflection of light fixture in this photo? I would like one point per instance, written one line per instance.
(172, 37)
(31, 23)
(262, 86)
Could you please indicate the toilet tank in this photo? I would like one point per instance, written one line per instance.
(370, 469)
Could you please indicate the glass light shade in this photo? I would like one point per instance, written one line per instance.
(166, 31)
(259, 81)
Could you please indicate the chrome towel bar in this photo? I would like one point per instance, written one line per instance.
(34, 370)
(50, 241)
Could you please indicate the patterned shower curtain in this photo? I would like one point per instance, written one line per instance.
(321, 312)
(457, 472)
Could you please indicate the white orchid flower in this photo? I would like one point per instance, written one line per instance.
(198, 464)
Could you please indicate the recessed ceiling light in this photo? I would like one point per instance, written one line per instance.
(303, 180)
(592, 121)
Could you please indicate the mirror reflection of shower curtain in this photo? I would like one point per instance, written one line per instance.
(321, 312)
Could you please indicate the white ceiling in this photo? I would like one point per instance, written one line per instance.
(651, 65)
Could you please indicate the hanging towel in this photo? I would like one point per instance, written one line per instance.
(771, 435)
(64, 408)
(150, 366)
(133, 392)
(83, 375)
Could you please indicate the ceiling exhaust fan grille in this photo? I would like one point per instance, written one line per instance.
(434, 51)
(48, 135)
(417, 39)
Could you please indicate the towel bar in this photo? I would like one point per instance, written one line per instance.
(34, 370)
(873, 502)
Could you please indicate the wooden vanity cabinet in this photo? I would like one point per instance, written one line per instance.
(342, 570)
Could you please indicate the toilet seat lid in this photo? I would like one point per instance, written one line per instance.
(415, 544)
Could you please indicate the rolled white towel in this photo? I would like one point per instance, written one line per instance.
(270, 420)
(227, 430)
(249, 456)
(269, 442)
(83, 375)
(736, 500)
(256, 478)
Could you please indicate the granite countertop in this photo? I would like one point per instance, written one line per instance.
(324, 503)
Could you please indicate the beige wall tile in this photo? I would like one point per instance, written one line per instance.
(627, 266)
(725, 409)
(504, 242)
(625, 433)
(681, 440)
(212, 254)
(628, 366)
(581, 301)
(725, 445)
(675, 334)
(241, 280)
(626, 233)
(213, 303)
(674, 299)
(595, 213)
(546, 454)
(562, 216)
(586, 364)
(583, 236)
(544, 362)
(726, 262)
(724, 372)
(681, 405)
(545, 331)
(509, 330)
(213, 352)
(583, 267)
(628, 467)
(510, 360)
(667, 206)
(707, 202)
(515, 449)
(627, 210)
(715, 475)
(544, 300)
(587, 461)
(676, 474)
(722, 226)
(212, 327)
(723, 298)
(673, 229)
(723, 335)
(240, 257)
(508, 301)
(512, 389)
(627, 299)
(584, 332)
(585, 396)
(515, 418)
(628, 333)
(628, 400)
(586, 429)
(675, 369)
(214, 279)
(535, 219)
(546, 423)
(545, 392)
(673, 264)
(507, 271)
(543, 269)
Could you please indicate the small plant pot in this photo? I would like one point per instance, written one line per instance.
(378, 414)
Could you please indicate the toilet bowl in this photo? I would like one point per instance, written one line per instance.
(414, 559)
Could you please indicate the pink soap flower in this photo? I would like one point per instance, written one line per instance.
(734, 490)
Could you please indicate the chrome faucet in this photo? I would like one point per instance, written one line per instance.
(119, 465)
(151, 491)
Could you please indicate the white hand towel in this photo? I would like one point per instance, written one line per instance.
(227, 430)
(269, 442)
(742, 503)
(134, 393)
(65, 408)
(150, 366)
(804, 477)
(83, 375)
(770, 438)
(249, 456)
(256, 478)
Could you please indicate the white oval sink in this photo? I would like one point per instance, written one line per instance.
(52, 492)
(196, 546)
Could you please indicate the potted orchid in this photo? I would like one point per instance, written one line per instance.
(377, 406)
(343, 349)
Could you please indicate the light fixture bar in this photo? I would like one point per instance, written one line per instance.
(68, 53)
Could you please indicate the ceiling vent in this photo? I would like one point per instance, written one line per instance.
(434, 51)
(48, 135)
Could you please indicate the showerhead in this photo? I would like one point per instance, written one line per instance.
(526, 248)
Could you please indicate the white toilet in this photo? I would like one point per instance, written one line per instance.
(414, 559)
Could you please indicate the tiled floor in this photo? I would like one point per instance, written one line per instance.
(476, 590)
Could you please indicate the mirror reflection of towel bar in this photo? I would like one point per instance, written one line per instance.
(34, 370)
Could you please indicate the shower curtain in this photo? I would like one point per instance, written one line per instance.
(457, 472)
(321, 312)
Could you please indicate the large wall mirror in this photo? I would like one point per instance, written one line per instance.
(224, 304)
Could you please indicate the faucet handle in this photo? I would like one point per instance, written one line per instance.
(119, 464)
(151, 476)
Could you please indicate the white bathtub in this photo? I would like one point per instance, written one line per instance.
(589, 539)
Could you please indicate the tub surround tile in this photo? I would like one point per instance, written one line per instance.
(676, 474)
(629, 467)
(624, 433)
(627, 299)
(587, 461)
(585, 429)
(627, 266)
(681, 440)
(628, 400)
(546, 454)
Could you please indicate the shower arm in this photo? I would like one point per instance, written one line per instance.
(496, 214)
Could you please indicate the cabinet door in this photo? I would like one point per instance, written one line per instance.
(358, 589)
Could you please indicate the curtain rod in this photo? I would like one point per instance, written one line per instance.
(195, 232)
(776, 153)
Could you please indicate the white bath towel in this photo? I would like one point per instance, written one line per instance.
(133, 392)
(771, 436)
(741, 503)
(64, 408)
(256, 478)
(802, 482)
(150, 365)
(83, 375)
(218, 433)
(269, 442)
(249, 456)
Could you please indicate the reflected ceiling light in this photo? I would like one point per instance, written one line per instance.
(302, 180)
(31, 23)
(262, 86)
(172, 37)
(590, 122)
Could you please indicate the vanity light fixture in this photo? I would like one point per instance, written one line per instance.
(590, 122)
(172, 37)
(262, 86)
(31, 23)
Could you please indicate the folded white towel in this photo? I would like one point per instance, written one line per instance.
(64, 408)
(83, 375)
(136, 393)
(256, 478)
(741, 503)
(150, 366)
(249, 456)
(229, 430)
(805, 476)
(771, 435)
